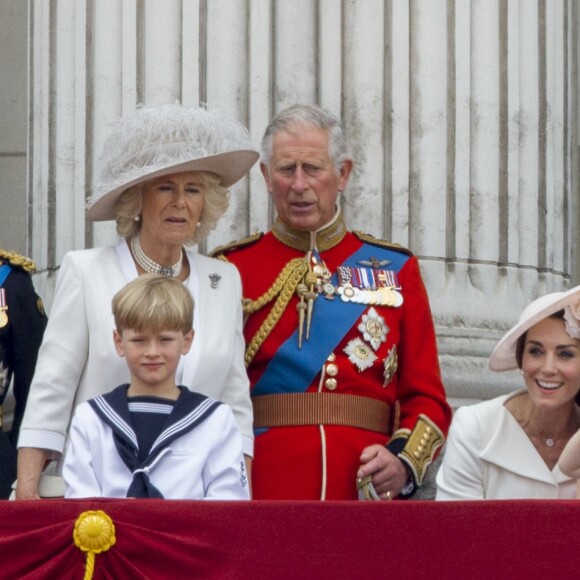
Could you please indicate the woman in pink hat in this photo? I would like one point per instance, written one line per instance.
(509, 447)
(163, 178)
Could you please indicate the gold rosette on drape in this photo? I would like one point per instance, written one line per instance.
(94, 533)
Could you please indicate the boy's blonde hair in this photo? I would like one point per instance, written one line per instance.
(153, 302)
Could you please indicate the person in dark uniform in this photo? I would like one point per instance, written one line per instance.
(341, 350)
(22, 323)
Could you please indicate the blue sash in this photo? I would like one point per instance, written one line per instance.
(292, 370)
(5, 270)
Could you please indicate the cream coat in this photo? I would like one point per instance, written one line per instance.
(488, 456)
(77, 359)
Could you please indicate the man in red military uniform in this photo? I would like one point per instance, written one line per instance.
(341, 350)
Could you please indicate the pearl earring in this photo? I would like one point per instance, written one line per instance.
(137, 218)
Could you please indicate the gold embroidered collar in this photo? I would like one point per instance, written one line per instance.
(323, 239)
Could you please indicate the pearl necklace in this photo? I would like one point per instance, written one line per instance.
(151, 266)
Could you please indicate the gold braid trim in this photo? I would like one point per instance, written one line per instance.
(422, 444)
(17, 260)
(284, 288)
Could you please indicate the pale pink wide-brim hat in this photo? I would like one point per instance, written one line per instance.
(503, 357)
(169, 139)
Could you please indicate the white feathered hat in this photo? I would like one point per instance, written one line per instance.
(169, 139)
(503, 357)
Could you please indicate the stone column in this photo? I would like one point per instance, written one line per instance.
(510, 209)
(461, 115)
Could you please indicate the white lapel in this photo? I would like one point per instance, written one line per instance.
(189, 363)
(126, 260)
(511, 449)
(207, 341)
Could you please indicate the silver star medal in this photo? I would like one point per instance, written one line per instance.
(360, 354)
(391, 364)
(373, 328)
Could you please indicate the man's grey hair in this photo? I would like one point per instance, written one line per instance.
(308, 116)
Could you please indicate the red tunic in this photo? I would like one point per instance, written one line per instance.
(314, 462)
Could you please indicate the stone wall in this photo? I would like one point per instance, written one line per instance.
(462, 117)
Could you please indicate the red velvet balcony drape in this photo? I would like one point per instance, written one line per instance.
(262, 540)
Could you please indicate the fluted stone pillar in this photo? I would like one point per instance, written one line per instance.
(462, 117)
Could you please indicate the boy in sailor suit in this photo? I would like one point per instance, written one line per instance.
(152, 438)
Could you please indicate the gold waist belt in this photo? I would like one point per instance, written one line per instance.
(293, 409)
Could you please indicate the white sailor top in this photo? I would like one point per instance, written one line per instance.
(197, 455)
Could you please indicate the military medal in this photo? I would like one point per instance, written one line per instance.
(360, 354)
(391, 364)
(323, 276)
(328, 291)
(3, 308)
(369, 285)
(373, 262)
(316, 281)
(346, 292)
(373, 328)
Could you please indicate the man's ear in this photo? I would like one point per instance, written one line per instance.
(345, 172)
(118, 340)
(266, 175)
(187, 341)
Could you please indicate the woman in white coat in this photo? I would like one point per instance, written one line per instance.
(508, 447)
(163, 177)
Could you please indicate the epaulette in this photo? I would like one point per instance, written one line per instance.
(247, 241)
(381, 243)
(17, 260)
